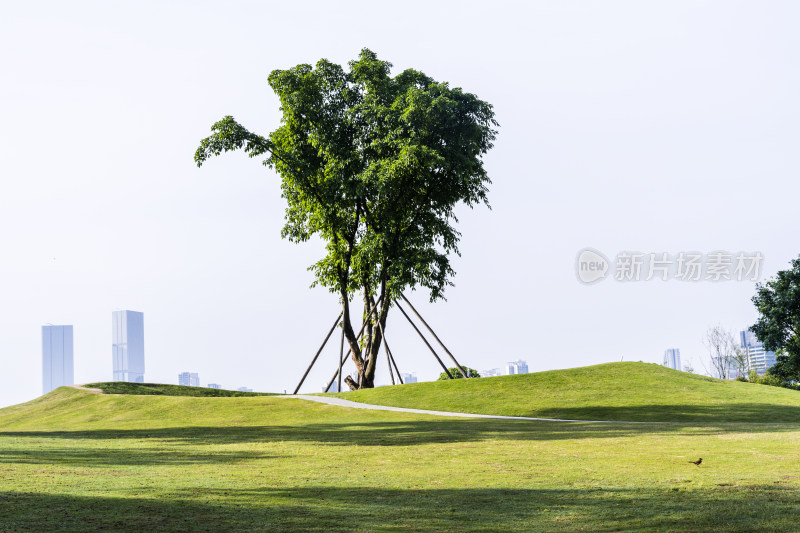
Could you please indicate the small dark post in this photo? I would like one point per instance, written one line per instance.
(423, 339)
(460, 369)
(338, 318)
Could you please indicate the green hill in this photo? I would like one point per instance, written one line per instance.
(67, 407)
(612, 391)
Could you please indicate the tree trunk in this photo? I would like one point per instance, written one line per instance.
(366, 360)
(349, 334)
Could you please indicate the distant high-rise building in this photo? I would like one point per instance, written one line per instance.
(491, 373)
(333, 388)
(672, 358)
(214, 386)
(724, 367)
(409, 378)
(189, 379)
(244, 389)
(517, 367)
(128, 346)
(57, 364)
(758, 358)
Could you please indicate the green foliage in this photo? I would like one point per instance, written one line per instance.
(161, 389)
(778, 303)
(471, 372)
(772, 380)
(374, 166)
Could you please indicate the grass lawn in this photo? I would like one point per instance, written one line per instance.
(77, 461)
(612, 391)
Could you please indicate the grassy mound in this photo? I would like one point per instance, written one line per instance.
(613, 391)
(161, 389)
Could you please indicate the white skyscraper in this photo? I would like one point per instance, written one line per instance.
(672, 358)
(758, 358)
(57, 366)
(517, 367)
(409, 378)
(128, 346)
(189, 379)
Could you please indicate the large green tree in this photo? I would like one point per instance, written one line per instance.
(375, 166)
(778, 326)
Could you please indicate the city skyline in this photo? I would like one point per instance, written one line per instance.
(510, 368)
(58, 357)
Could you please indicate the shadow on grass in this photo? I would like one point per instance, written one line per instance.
(102, 457)
(752, 508)
(748, 413)
(391, 433)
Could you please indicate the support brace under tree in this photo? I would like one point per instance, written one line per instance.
(389, 356)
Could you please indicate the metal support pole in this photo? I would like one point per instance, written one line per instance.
(341, 352)
(338, 318)
(338, 371)
(460, 369)
(341, 361)
(399, 377)
(391, 358)
(388, 352)
(449, 375)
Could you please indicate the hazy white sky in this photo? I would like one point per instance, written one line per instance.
(650, 126)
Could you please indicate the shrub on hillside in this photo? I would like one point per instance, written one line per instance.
(457, 375)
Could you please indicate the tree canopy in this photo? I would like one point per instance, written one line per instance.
(778, 326)
(375, 166)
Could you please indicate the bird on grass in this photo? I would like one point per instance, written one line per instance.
(697, 462)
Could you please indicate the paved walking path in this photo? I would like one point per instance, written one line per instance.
(81, 387)
(356, 405)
